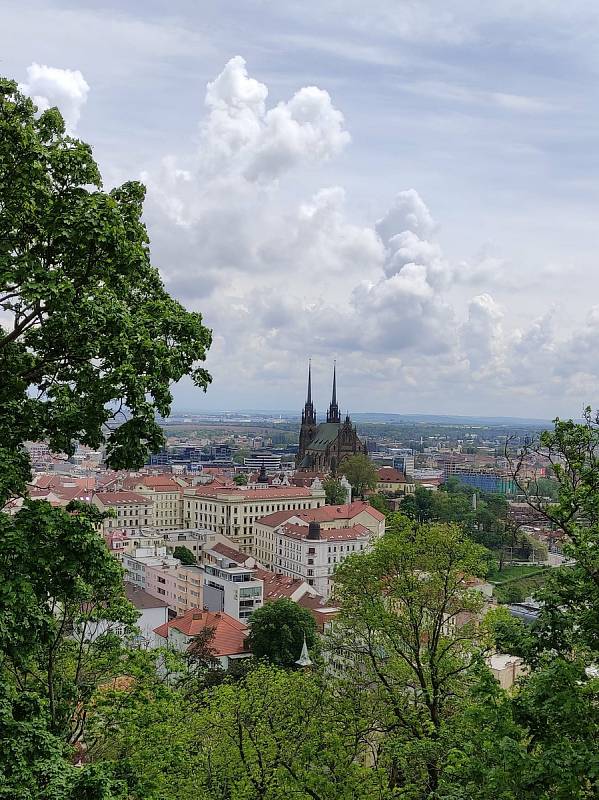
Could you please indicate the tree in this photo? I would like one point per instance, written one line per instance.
(379, 501)
(408, 638)
(360, 472)
(334, 491)
(92, 345)
(184, 555)
(277, 632)
(241, 479)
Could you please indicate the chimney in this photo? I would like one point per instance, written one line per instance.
(313, 530)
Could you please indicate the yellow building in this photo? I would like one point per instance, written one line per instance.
(166, 494)
(390, 479)
(232, 511)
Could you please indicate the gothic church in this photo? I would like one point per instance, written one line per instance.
(322, 447)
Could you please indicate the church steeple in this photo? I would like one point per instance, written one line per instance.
(308, 414)
(333, 413)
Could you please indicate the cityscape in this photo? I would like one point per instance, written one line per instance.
(299, 437)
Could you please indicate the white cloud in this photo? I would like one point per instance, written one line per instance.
(50, 86)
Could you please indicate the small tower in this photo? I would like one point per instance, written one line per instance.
(262, 477)
(304, 661)
(333, 412)
(348, 490)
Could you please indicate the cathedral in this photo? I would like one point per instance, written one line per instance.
(322, 447)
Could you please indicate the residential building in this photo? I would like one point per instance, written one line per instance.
(228, 641)
(312, 553)
(342, 516)
(166, 495)
(232, 511)
(132, 510)
(230, 582)
(152, 613)
(390, 479)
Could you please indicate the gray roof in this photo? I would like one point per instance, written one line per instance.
(142, 599)
(326, 434)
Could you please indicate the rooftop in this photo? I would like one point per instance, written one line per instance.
(141, 599)
(323, 514)
(229, 634)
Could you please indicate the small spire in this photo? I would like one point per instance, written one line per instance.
(333, 415)
(309, 399)
(304, 660)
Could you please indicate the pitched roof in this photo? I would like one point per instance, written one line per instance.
(326, 434)
(159, 483)
(391, 475)
(122, 498)
(323, 514)
(141, 599)
(229, 634)
(276, 586)
(238, 493)
(329, 534)
(229, 552)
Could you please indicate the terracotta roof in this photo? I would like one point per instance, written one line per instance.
(229, 634)
(323, 514)
(391, 475)
(270, 493)
(122, 498)
(329, 534)
(230, 552)
(141, 599)
(276, 586)
(159, 483)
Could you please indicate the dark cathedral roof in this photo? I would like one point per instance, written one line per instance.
(326, 433)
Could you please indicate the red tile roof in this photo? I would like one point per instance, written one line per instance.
(391, 475)
(122, 498)
(159, 483)
(323, 514)
(229, 634)
(270, 493)
(230, 552)
(330, 534)
(277, 586)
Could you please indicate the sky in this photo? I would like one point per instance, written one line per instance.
(410, 188)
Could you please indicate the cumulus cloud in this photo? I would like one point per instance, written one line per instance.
(280, 278)
(262, 144)
(50, 86)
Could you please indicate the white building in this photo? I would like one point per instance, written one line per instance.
(230, 582)
(312, 553)
(341, 516)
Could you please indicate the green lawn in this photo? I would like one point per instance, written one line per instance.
(514, 573)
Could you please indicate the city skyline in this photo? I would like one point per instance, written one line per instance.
(411, 191)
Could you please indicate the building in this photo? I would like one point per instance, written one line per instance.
(390, 479)
(232, 511)
(342, 516)
(228, 641)
(166, 496)
(312, 553)
(231, 583)
(324, 446)
(131, 510)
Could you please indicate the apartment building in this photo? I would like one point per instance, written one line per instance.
(231, 583)
(342, 516)
(228, 634)
(166, 495)
(312, 553)
(131, 510)
(233, 511)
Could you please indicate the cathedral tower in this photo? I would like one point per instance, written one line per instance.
(333, 412)
(308, 427)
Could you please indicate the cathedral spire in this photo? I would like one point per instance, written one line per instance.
(309, 415)
(333, 414)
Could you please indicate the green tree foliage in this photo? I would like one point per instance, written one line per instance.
(184, 555)
(360, 472)
(241, 479)
(334, 491)
(277, 632)
(379, 501)
(91, 348)
(407, 638)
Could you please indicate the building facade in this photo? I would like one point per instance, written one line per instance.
(233, 511)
